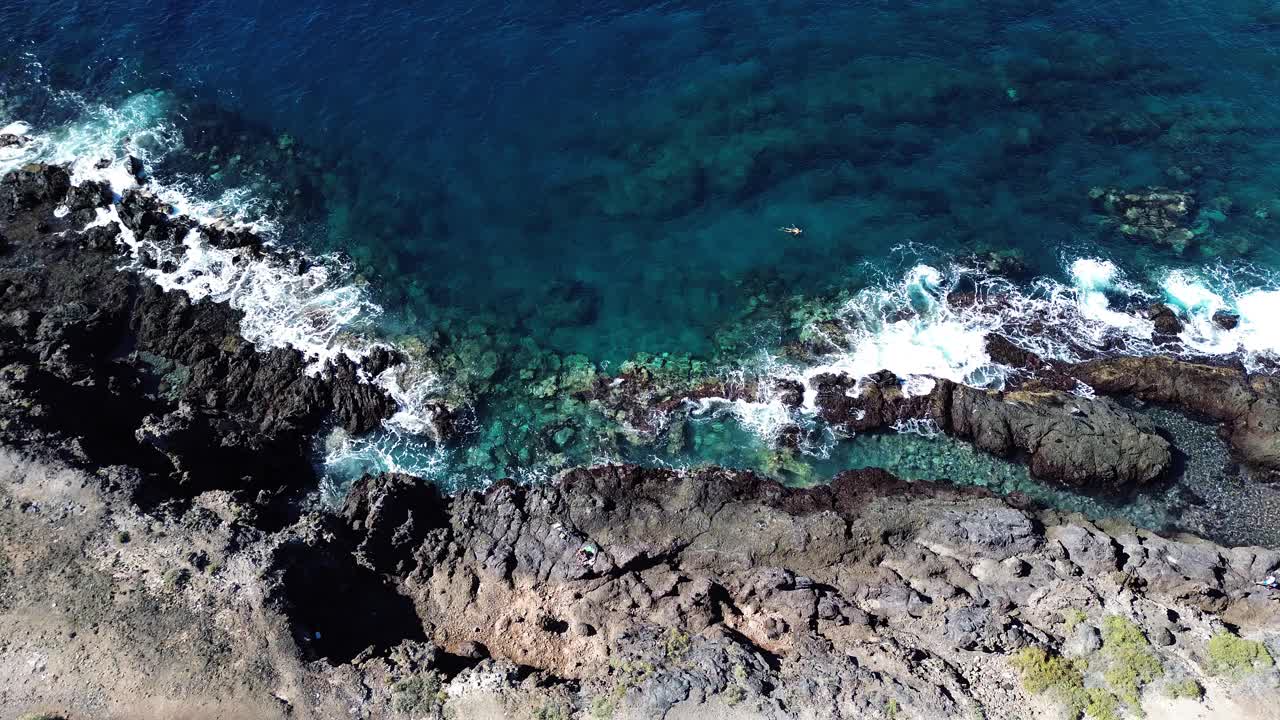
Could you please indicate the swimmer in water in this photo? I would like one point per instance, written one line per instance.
(792, 230)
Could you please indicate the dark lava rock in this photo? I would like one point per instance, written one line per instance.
(136, 169)
(392, 514)
(1226, 320)
(1155, 214)
(335, 607)
(8, 140)
(236, 419)
(1165, 319)
(1003, 351)
(1248, 406)
(89, 195)
(33, 185)
(1066, 438)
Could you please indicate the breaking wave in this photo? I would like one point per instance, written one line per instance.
(308, 304)
(933, 322)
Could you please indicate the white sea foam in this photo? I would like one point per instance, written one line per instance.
(765, 418)
(1092, 280)
(1199, 295)
(315, 310)
(913, 327)
(912, 331)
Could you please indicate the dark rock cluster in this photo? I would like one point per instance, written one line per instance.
(1066, 438)
(114, 370)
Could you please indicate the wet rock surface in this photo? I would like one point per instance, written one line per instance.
(1066, 438)
(1247, 406)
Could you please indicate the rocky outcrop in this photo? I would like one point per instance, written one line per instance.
(612, 591)
(1157, 215)
(1074, 440)
(1248, 406)
(1166, 322)
(114, 370)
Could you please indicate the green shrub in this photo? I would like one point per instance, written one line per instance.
(1187, 688)
(676, 644)
(419, 694)
(1131, 664)
(175, 579)
(1102, 704)
(1236, 657)
(552, 711)
(626, 676)
(891, 709)
(1072, 617)
(1042, 672)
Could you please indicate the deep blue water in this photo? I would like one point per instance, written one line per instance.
(648, 153)
(611, 178)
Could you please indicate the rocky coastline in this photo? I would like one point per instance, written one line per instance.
(158, 557)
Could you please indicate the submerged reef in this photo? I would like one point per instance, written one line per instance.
(156, 508)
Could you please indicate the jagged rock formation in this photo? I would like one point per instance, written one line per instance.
(114, 370)
(1067, 438)
(1248, 406)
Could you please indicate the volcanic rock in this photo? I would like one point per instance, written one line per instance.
(1248, 406)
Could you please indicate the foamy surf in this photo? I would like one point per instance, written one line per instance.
(920, 328)
(1200, 295)
(313, 311)
(311, 307)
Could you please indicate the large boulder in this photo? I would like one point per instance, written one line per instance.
(1248, 406)
(1078, 441)
(1069, 439)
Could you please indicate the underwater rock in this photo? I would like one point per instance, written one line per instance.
(1155, 214)
(1005, 264)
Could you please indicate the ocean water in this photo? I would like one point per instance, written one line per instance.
(523, 196)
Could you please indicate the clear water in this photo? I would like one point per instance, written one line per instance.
(529, 187)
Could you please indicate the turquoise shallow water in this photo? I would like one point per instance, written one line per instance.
(528, 189)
